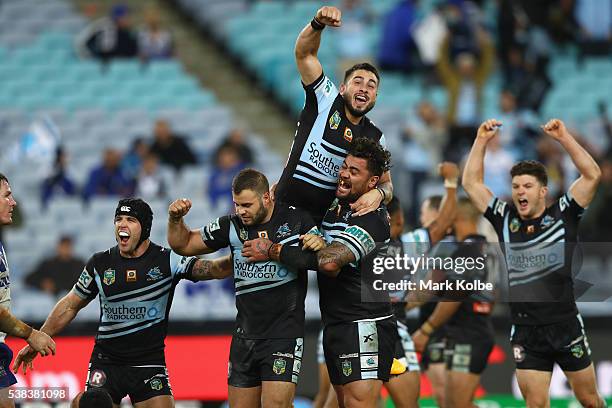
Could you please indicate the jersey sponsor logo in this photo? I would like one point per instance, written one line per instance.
(500, 207)
(262, 234)
(334, 121)
(125, 208)
(546, 222)
(288, 355)
(123, 312)
(322, 161)
(214, 225)
(362, 236)
(283, 231)
(268, 270)
(352, 355)
(348, 134)
(109, 277)
(97, 378)
(328, 87)
(519, 353)
(155, 273)
(279, 366)
(563, 203)
(85, 279)
(130, 275)
(347, 368)
(515, 224)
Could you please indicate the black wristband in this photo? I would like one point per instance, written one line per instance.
(316, 24)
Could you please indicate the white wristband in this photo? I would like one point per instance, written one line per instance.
(450, 183)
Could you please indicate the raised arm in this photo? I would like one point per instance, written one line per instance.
(181, 239)
(584, 188)
(448, 208)
(309, 40)
(473, 174)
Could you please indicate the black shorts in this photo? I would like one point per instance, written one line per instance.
(6, 375)
(404, 348)
(140, 382)
(434, 350)
(253, 361)
(539, 347)
(360, 350)
(468, 354)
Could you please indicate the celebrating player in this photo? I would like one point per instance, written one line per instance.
(266, 351)
(135, 281)
(550, 330)
(328, 124)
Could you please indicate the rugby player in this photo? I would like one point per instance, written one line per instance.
(267, 343)
(9, 324)
(360, 331)
(135, 282)
(547, 331)
(466, 315)
(330, 121)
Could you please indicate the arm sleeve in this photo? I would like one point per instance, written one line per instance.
(321, 93)
(496, 213)
(181, 266)
(216, 234)
(86, 286)
(570, 210)
(359, 236)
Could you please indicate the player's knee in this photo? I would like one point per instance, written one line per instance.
(277, 400)
(590, 400)
(536, 401)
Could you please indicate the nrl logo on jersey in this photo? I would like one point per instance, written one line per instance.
(347, 368)
(283, 231)
(155, 273)
(334, 121)
(515, 224)
(244, 235)
(109, 277)
(279, 366)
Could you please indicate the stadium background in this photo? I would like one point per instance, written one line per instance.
(232, 69)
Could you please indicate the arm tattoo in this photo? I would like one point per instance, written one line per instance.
(275, 251)
(263, 246)
(336, 253)
(203, 270)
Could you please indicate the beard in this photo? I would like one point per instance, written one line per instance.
(357, 112)
(261, 214)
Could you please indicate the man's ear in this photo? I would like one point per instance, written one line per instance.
(266, 198)
(342, 88)
(543, 191)
(373, 181)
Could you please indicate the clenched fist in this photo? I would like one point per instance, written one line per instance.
(178, 209)
(488, 129)
(328, 15)
(555, 128)
(448, 171)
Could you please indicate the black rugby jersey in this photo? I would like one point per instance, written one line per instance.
(473, 318)
(269, 296)
(350, 296)
(321, 141)
(135, 298)
(538, 256)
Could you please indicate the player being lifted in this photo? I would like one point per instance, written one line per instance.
(267, 344)
(360, 331)
(547, 331)
(330, 121)
(135, 281)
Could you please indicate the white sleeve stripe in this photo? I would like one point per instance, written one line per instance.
(354, 241)
(318, 85)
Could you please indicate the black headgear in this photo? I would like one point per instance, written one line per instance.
(137, 208)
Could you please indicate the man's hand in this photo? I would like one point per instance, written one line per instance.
(312, 242)
(488, 129)
(178, 209)
(257, 250)
(448, 171)
(25, 357)
(328, 15)
(41, 342)
(368, 202)
(556, 129)
(420, 340)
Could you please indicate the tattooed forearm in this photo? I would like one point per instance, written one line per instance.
(205, 269)
(334, 257)
(202, 270)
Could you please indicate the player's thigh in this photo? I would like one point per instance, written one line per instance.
(5, 401)
(584, 385)
(277, 394)
(361, 394)
(244, 397)
(335, 397)
(436, 373)
(534, 385)
(404, 389)
(460, 388)
(324, 386)
(161, 401)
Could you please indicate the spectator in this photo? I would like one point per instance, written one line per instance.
(150, 182)
(57, 274)
(464, 81)
(58, 181)
(595, 20)
(154, 42)
(235, 139)
(132, 160)
(220, 182)
(107, 179)
(397, 47)
(352, 40)
(498, 163)
(597, 224)
(109, 38)
(170, 148)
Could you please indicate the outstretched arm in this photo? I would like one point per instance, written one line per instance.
(473, 174)
(309, 40)
(584, 188)
(437, 229)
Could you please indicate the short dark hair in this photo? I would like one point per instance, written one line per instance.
(394, 206)
(96, 398)
(3, 178)
(250, 179)
(366, 66)
(466, 207)
(379, 159)
(531, 168)
(435, 201)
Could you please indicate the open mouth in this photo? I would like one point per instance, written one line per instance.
(124, 236)
(361, 100)
(344, 186)
(523, 203)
